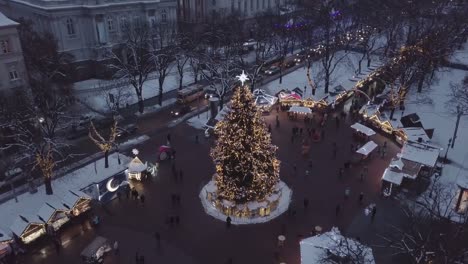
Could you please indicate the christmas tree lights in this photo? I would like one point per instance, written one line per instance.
(246, 165)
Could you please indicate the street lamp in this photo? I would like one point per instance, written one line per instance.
(446, 152)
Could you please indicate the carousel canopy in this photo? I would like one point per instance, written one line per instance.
(363, 129)
(300, 109)
(367, 148)
(136, 165)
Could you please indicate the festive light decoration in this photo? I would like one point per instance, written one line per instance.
(246, 165)
(46, 163)
(104, 145)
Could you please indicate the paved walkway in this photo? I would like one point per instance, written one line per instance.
(200, 238)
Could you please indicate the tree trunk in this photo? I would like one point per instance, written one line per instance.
(368, 62)
(281, 75)
(359, 67)
(141, 105)
(327, 83)
(160, 94)
(181, 78)
(48, 185)
(221, 102)
(106, 159)
(420, 83)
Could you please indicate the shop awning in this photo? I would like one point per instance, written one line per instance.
(300, 109)
(367, 148)
(393, 176)
(363, 129)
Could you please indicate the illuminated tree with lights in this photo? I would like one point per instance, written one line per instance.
(103, 144)
(246, 165)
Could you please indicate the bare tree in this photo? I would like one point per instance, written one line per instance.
(105, 145)
(133, 60)
(181, 58)
(163, 53)
(117, 97)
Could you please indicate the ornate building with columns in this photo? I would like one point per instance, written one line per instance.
(87, 28)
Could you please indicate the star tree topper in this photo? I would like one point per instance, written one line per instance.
(242, 78)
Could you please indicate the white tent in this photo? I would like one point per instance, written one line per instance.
(300, 109)
(363, 129)
(136, 165)
(393, 176)
(367, 148)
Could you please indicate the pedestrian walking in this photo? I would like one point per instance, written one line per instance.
(300, 131)
(57, 246)
(157, 237)
(337, 121)
(361, 177)
(228, 222)
(361, 197)
(127, 192)
(174, 171)
(340, 173)
(374, 211)
(306, 204)
(168, 137)
(142, 199)
(196, 138)
(337, 209)
(116, 247)
(307, 173)
(295, 168)
(137, 257)
(269, 128)
(347, 193)
(178, 199)
(142, 259)
(277, 123)
(352, 148)
(181, 175)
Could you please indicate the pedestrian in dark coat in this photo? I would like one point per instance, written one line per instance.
(374, 211)
(168, 137)
(337, 121)
(361, 197)
(337, 209)
(306, 203)
(228, 222)
(196, 138)
(269, 128)
(142, 199)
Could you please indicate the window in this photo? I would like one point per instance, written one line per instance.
(163, 16)
(238, 6)
(123, 23)
(13, 74)
(110, 24)
(258, 4)
(251, 4)
(70, 27)
(5, 46)
(263, 5)
(245, 7)
(269, 3)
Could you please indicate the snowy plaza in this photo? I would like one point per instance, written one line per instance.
(274, 132)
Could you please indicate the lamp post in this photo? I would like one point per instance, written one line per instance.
(446, 152)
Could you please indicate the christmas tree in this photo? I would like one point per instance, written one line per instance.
(246, 165)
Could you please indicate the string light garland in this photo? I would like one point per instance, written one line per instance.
(246, 165)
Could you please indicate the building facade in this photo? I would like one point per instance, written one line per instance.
(196, 11)
(12, 70)
(88, 28)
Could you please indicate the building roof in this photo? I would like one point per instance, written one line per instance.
(6, 22)
(367, 148)
(414, 133)
(393, 175)
(314, 249)
(421, 153)
(363, 129)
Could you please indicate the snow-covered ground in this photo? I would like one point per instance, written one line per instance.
(343, 75)
(97, 98)
(435, 107)
(461, 55)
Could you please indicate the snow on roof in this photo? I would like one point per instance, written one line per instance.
(363, 129)
(369, 109)
(396, 163)
(420, 153)
(367, 148)
(46, 212)
(414, 133)
(4, 236)
(314, 249)
(300, 109)
(5, 21)
(393, 176)
(66, 192)
(136, 165)
(463, 182)
(22, 222)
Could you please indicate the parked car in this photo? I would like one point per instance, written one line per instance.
(300, 56)
(272, 70)
(290, 62)
(126, 131)
(210, 92)
(180, 111)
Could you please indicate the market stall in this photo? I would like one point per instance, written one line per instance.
(136, 170)
(264, 101)
(361, 132)
(54, 217)
(28, 229)
(366, 150)
(95, 251)
(5, 241)
(295, 111)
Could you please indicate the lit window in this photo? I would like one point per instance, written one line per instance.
(5, 46)
(13, 74)
(163, 16)
(70, 27)
(110, 24)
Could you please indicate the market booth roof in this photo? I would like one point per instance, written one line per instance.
(363, 129)
(300, 109)
(136, 165)
(421, 153)
(367, 148)
(393, 176)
